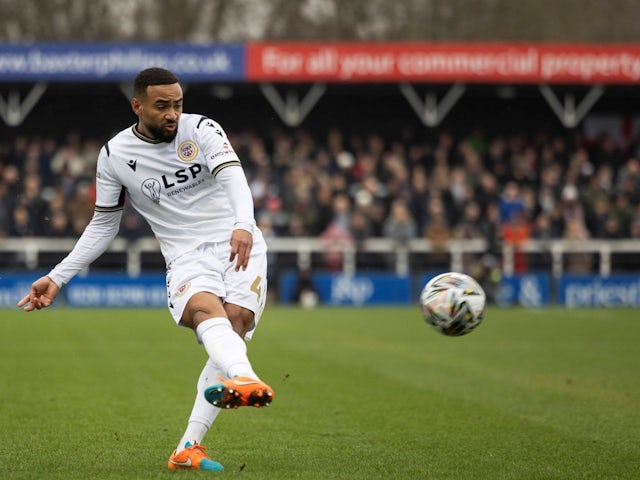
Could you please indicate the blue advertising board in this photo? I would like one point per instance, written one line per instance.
(149, 290)
(595, 291)
(528, 290)
(339, 289)
(94, 290)
(119, 61)
(117, 291)
(14, 287)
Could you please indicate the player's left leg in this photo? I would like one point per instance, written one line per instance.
(240, 390)
(196, 288)
(239, 384)
(246, 292)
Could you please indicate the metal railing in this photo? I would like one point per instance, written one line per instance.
(29, 250)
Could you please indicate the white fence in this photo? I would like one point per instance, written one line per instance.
(29, 250)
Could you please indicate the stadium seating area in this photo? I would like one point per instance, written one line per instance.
(334, 185)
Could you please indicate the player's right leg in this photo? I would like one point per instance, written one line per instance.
(202, 417)
(193, 457)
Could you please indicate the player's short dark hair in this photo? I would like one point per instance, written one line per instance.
(152, 76)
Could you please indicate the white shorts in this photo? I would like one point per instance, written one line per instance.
(207, 269)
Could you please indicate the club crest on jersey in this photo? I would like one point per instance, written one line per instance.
(151, 188)
(187, 150)
(182, 289)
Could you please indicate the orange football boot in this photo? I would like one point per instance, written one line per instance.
(239, 392)
(193, 457)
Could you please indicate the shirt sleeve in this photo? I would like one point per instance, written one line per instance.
(238, 192)
(215, 145)
(102, 228)
(219, 154)
(93, 242)
(110, 193)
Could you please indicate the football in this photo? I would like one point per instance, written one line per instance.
(453, 303)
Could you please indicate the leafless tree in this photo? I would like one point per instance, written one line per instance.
(204, 21)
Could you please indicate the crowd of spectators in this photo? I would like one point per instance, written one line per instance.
(350, 186)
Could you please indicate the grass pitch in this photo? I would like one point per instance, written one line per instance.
(366, 393)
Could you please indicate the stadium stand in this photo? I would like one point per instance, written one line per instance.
(333, 186)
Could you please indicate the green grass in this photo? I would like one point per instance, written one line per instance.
(360, 394)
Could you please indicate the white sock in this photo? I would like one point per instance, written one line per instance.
(203, 413)
(225, 347)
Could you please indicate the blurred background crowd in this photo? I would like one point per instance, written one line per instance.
(347, 187)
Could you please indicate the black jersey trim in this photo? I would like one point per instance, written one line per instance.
(115, 208)
(144, 137)
(202, 119)
(109, 209)
(216, 170)
(106, 147)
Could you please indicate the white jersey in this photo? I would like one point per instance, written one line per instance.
(172, 185)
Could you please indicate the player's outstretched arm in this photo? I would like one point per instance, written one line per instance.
(43, 293)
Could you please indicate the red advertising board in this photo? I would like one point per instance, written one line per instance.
(443, 63)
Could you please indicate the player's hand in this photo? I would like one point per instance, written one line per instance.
(43, 293)
(241, 245)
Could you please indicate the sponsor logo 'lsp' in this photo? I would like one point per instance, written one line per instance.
(181, 176)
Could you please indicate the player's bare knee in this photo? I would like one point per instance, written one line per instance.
(201, 307)
(242, 319)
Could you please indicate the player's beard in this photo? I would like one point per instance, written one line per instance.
(160, 133)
